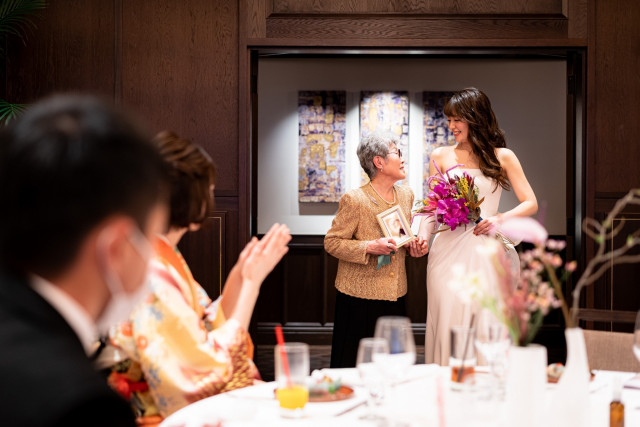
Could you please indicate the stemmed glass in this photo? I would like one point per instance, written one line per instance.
(492, 341)
(367, 362)
(636, 338)
(396, 330)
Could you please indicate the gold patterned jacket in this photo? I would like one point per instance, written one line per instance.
(354, 225)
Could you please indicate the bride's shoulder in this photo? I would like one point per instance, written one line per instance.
(505, 155)
(442, 151)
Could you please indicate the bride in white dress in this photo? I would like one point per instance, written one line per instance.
(481, 150)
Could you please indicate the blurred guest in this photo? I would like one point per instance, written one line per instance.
(369, 284)
(82, 190)
(181, 346)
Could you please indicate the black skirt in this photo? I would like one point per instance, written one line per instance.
(355, 318)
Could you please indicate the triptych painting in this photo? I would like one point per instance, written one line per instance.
(321, 140)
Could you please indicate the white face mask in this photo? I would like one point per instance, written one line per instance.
(121, 303)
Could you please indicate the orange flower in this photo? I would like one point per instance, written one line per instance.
(126, 328)
(142, 342)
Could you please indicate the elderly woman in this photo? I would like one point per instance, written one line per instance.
(365, 290)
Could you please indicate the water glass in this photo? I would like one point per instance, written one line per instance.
(292, 393)
(396, 330)
(370, 351)
(492, 341)
(636, 338)
(462, 358)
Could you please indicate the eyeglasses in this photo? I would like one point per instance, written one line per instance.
(398, 152)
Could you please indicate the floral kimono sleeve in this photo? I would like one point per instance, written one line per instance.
(182, 361)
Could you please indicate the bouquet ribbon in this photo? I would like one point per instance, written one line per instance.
(384, 260)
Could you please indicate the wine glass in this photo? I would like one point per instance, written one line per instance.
(370, 372)
(492, 341)
(396, 330)
(636, 338)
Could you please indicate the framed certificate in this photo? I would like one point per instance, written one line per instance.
(395, 226)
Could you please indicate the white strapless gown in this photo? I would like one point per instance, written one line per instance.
(445, 308)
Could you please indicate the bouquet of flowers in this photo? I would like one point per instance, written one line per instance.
(453, 200)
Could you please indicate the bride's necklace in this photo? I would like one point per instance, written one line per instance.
(382, 198)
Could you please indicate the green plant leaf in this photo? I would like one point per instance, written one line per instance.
(15, 16)
(9, 111)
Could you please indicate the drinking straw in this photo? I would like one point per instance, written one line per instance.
(440, 394)
(466, 348)
(283, 354)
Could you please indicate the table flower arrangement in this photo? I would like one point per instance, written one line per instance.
(539, 263)
(522, 306)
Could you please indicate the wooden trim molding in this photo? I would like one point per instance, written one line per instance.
(596, 315)
(417, 27)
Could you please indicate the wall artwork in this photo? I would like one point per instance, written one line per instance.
(386, 112)
(436, 128)
(321, 146)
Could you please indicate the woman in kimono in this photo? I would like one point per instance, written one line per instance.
(180, 346)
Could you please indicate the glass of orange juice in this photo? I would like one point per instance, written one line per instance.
(292, 394)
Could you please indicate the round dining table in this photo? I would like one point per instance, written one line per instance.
(422, 397)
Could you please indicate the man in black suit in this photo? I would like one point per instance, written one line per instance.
(81, 191)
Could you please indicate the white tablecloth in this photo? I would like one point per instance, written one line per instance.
(413, 402)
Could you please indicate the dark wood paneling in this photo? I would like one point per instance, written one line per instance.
(300, 294)
(204, 252)
(616, 291)
(180, 69)
(577, 12)
(303, 296)
(614, 104)
(71, 50)
(408, 27)
(424, 7)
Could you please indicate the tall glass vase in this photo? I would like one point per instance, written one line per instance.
(526, 381)
(572, 394)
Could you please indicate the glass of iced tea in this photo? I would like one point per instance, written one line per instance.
(462, 358)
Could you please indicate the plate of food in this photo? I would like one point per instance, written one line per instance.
(555, 370)
(326, 389)
(329, 391)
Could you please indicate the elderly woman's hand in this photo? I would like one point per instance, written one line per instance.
(418, 247)
(381, 246)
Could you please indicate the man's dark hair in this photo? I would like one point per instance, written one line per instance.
(69, 163)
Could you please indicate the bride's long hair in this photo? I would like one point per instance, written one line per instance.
(473, 106)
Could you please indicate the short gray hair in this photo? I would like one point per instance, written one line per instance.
(374, 144)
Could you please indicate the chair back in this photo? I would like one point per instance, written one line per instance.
(611, 351)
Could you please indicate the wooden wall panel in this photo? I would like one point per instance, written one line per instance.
(617, 289)
(300, 294)
(71, 50)
(180, 69)
(408, 27)
(418, 7)
(614, 107)
(206, 252)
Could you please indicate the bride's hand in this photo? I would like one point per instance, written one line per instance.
(418, 247)
(487, 225)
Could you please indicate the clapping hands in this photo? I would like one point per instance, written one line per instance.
(259, 257)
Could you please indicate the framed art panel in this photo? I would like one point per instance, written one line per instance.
(321, 151)
(436, 129)
(385, 112)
